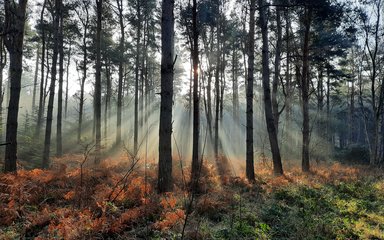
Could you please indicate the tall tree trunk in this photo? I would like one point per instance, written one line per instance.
(149, 33)
(288, 84)
(121, 62)
(275, 107)
(269, 115)
(305, 90)
(107, 109)
(47, 141)
(352, 127)
(217, 93)
(66, 81)
(35, 78)
(137, 64)
(97, 97)
(47, 76)
(59, 142)
(250, 169)
(377, 101)
(320, 91)
(146, 74)
(143, 55)
(196, 103)
(40, 111)
(222, 81)
(85, 24)
(165, 129)
(244, 45)
(14, 27)
(235, 87)
(208, 46)
(328, 106)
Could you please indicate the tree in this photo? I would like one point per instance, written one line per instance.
(373, 35)
(250, 171)
(167, 73)
(14, 36)
(97, 96)
(84, 19)
(275, 82)
(322, 14)
(307, 18)
(121, 73)
(269, 116)
(196, 102)
(59, 142)
(137, 9)
(35, 78)
(218, 70)
(56, 25)
(40, 111)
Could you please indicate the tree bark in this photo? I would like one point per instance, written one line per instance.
(268, 107)
(14, 27)
(137, 64)
(59, 142)
(121, 62)
(217, 93)
(97, 97)
(85, 23)
(47, 141)
(250, 169)
(165, 182)
(67, 82)
(275, 107)
(235, 87)
(195, 174)
(305, 90)
(40, 111)
(35, 78)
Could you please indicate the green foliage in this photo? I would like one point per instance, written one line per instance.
(335, 211)
(242, 229)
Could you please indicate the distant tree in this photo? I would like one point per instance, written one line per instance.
(35, 77)
(14, 35)
(137, 9)
(372, 29)
(167, 72)
(236, 69)
(84, 17)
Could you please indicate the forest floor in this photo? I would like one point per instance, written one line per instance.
(116, 200)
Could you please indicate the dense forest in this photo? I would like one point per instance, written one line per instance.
(198, 119)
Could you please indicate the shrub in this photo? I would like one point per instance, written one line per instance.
(353, 154)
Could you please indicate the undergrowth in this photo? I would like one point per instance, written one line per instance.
(333, 202)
